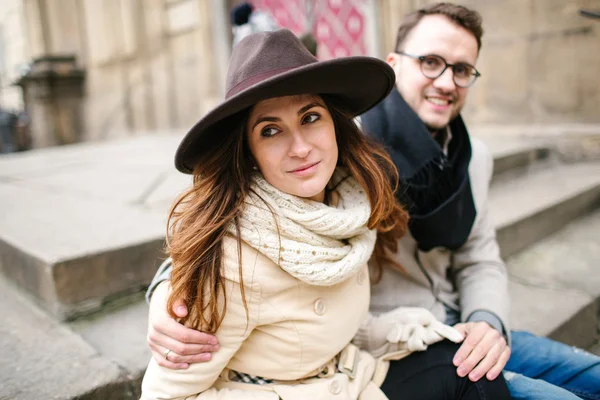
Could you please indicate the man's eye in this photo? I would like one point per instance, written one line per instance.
(310, 118)
(462, 70)
(432, 62)
(268, 132)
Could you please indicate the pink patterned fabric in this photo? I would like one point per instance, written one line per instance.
(339, 25)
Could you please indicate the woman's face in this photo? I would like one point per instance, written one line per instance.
(292, 139)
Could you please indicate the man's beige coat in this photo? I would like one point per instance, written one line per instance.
(469, 279)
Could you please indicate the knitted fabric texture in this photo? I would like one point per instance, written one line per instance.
(318, 244)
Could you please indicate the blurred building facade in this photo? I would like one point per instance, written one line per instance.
(13, 52)
(156, 65)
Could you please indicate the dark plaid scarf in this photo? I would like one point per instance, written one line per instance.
(436, 188)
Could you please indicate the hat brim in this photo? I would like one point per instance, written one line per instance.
(360, 82)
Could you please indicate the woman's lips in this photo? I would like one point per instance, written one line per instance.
(305, 169)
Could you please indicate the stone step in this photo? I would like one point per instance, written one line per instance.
(44, 359)
(81, 225)
(555, 284)
(529, 207)
(516, 155)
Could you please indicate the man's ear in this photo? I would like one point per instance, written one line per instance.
(392, 59)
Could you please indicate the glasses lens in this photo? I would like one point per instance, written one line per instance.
(432, 66)
(464, 74)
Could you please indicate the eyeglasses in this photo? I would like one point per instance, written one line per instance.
(433, 66)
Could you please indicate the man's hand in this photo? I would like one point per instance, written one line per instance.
(483, 352)
(187, 346)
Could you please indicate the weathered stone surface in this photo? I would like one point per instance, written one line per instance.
(129, 323)
(43, 359)
(529, 207)
(83, 224)
(555, 283)
(75, 254)
(562, 314)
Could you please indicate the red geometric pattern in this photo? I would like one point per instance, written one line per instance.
(339, 25)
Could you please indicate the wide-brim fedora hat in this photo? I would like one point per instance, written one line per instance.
(273, 64)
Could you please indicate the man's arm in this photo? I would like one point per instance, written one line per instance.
(482, 283)
(162, 274)
(239, 320)
(187, 346)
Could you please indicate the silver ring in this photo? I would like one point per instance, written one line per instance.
(167, 354)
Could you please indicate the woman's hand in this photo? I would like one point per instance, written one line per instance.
(173, 345)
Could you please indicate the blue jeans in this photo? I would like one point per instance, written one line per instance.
(540, 368)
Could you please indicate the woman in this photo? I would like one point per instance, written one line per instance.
(270, 245)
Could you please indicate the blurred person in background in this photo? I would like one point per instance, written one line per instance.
(245, 19)
(8, 131)
(23, 131)
(310, 42)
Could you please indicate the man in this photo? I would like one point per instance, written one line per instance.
(450, 256)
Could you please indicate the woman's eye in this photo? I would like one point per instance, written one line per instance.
(310, 118)
(268, 132)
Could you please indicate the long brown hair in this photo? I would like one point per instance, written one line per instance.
(200, 217)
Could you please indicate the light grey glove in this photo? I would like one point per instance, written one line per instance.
(404, 328)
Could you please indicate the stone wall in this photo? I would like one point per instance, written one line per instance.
(149, 64)
(540, 59)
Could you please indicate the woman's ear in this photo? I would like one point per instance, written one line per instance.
(392, 59)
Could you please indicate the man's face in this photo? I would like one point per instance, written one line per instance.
(436, 101)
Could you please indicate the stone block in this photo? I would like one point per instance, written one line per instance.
(559, 313)
(529, 208)
(74, 255)
(42, 359)
(555, 284)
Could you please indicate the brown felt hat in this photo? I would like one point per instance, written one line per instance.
(273, 64)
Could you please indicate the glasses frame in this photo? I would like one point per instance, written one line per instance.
(447, 64)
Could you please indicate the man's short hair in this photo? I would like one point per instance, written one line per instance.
(462, 16)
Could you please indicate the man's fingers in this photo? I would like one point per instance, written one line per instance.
(471, 341)
(490, 359)
(500, 364)
(179, 308)
(481, 350)
(157, 341)
(181, 333)
(163, 362)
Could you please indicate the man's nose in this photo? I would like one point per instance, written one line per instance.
(445, 81)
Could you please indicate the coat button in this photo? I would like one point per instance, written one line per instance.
(320, 307)
(335, 387)
(361, 277)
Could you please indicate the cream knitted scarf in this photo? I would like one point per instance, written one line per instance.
(319, 244)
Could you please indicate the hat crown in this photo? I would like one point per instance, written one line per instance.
(263, 55)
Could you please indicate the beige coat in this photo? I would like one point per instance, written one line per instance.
(469, 279)
(292, 331)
